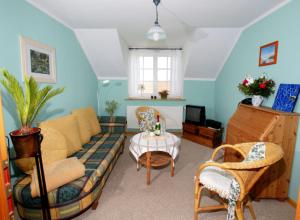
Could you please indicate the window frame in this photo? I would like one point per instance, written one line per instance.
(175, 76)
(155, 70)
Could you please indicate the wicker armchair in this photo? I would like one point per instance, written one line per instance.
(246, 173)
(142, 109)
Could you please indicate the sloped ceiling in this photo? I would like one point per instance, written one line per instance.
(105, 51)
(207, 55)
(207, 30)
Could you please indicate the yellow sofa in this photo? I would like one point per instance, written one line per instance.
(99, 155)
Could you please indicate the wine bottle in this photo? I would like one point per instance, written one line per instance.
(157, 127)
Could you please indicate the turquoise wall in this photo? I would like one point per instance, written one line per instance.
(73, 70)
(196, 92)
(283, 25)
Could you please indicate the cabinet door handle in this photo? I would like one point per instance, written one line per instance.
(5, 163)
(8, 190)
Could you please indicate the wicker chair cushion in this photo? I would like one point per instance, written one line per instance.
(217, 180)
(147, 120)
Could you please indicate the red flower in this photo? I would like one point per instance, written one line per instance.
(245, 82)
(262, 85)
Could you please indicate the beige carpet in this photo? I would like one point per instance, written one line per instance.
(127, 197)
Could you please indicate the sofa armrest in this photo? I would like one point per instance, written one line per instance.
(115, 124)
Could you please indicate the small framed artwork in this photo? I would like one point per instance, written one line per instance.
(268, 54)
(38, 60)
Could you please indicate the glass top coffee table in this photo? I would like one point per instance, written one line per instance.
(155, 151)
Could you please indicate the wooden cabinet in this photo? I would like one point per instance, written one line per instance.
(202, 135)
(6, 200)
(249, 124)
(298, 207)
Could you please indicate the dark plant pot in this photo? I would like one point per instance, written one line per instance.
(26, 145)
(163, 96)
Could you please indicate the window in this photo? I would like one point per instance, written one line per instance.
(153, 71)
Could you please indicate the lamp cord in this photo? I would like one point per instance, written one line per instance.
(156, 21)
(156, 4)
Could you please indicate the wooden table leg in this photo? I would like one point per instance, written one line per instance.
(138, 165)
(172, 167)
(148, 167)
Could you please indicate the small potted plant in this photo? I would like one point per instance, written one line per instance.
(111, 107)
(164, 94)
(259, 88)
(29, 102)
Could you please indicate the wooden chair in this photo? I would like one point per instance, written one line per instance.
(245, 173)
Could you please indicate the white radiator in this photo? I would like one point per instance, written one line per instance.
(172, 114)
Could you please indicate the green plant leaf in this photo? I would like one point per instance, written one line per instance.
(34, 89)
(44, 96)
(15, 90)
(29, 101)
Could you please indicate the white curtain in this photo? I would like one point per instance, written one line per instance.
(133, 73)
(176, 78)
(176, 74)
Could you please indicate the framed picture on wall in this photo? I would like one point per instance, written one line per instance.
(268, 54)
(38, 60)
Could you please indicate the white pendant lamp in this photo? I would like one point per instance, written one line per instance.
(156, 33)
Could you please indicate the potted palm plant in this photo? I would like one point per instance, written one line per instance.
(29, 102)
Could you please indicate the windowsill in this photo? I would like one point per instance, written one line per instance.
(149, 99)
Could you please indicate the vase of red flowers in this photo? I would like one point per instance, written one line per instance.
(258, 88)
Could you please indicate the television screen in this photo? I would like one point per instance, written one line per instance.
(195, 114)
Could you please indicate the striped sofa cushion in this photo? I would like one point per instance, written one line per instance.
(115, 124)
(98, 156)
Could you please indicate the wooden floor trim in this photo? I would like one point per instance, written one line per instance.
(292, 202)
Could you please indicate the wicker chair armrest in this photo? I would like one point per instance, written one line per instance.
(204, 165)
(235, 148)
(228, 170)
(245, 165)
(273, 154)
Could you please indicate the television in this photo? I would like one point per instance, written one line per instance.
(195, 115)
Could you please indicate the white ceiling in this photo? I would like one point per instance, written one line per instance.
(201, 27)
